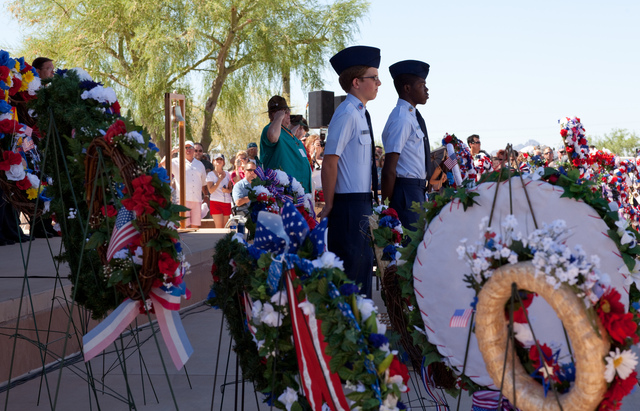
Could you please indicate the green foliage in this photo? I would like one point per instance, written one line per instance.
(147, 48)
(619, 141)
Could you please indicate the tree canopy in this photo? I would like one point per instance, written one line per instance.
(619, 141)
(217, 51)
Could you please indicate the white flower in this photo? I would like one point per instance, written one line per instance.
(523, 334)
(122, 254)
(389, 403)
(280, 298)
(297, 187)
(328, 260)
(82, 75)
(100, 94)
(34, 180)
(366, 307)
(260, 190)
(307, 308)
(513, 258)
(288, 397)
(626, 238)
(462, 251)
(282, 177)
(34, 86)
(270, 316)
(379, 209)
(15, 173)
(483, 224)
(137, 257)
(256, 309)
(621, 363)
(510, 222)
(135, 136)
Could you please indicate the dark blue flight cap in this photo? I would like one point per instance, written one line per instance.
(355, 56)
(415, 67)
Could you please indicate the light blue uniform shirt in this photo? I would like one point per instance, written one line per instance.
(402, 134)
(348, 138)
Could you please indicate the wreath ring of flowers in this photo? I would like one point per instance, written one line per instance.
(492, 333)
(127, 167)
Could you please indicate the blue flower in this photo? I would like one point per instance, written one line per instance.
(378, 340)
(119, 187)
(401, 405)
(348, 288)
(4, 106)
(4, 86)
(490, 244)
(387, 221)
(61, 72)
(389, 253)
(6, 60)
(153, 146)
(161, 172)
(21, 61)
(88, 84)
(474, 302)
(178, 247)
(567, 372)
(636, 305)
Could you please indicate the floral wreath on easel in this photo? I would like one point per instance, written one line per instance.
(285, 278)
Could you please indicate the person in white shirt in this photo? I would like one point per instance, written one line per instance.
(219, 185)
(195, 176)
(348, 167)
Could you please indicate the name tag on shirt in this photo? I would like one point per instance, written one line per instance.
(364, 132)
(302, 153)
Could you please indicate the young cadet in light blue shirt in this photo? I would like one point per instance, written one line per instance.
(347, 164)
(406, 167)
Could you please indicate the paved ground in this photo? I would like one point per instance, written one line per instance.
(207, 383)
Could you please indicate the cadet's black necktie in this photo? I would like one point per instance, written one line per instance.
(427, 149)
(374, 168)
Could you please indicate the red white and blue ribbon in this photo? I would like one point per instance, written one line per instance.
(438, 398)
(321, 386)
(166, 304)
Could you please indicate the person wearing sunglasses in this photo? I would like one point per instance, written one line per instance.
(280, 148)
(241, 189)
(348, 169)
(195, 178)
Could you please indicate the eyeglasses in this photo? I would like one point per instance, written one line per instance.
(374, 78)
(548, 152)
(188, 148)
(250, 170)
(198, 151)
(475, 142)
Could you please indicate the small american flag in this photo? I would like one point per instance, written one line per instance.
(124, 233)
(460, 318)
(451, 162)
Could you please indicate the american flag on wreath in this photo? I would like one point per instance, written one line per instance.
(124, 233)
(460, 318)
(451, 162)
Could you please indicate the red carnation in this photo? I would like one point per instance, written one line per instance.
(618, 323)
(17, 83)
(398, 368)
(24, 184)
(397, 237)
(4, 73)
(9, 158)
(563, 132)
(263, 197)
(390, 211)
(9, 126)
(109, 212)
(167, 265)
(115, 108)
(118, 128)
(617, 391)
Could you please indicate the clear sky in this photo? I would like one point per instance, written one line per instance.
(506, 70)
